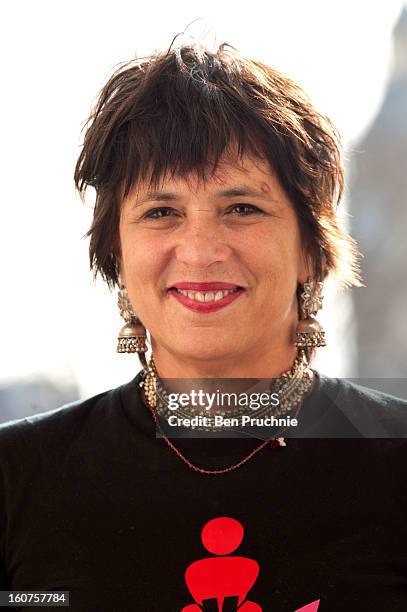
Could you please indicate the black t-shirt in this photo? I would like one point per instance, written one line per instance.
(93, 503)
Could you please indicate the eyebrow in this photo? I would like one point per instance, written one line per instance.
(232, 192)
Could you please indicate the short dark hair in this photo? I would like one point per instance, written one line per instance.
(179, 111)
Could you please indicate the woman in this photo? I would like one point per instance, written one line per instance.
(217, 185)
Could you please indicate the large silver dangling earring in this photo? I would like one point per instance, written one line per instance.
(132, 336)
(310, 334)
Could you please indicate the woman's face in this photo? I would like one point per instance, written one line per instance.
(238, 230)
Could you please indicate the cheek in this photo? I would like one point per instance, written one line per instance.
(141, 265)
(276, 260)
(278, 254)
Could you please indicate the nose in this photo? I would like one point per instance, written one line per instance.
(202, 241)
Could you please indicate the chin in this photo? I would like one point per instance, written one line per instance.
(208, 350)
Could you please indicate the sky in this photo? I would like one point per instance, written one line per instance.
(55, 57)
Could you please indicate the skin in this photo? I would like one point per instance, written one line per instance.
(205, 237)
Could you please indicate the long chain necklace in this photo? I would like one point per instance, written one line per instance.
(299, 371)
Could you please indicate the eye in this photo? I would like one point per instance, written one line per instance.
(159, 213)
(246, 209)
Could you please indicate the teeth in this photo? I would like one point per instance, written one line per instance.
(208, 296)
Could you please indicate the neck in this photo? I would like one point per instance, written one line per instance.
(260, 364)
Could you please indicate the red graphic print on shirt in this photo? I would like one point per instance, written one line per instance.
(221, 577)
(222, 583)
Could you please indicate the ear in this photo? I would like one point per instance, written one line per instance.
(307, 268)
(122, 276)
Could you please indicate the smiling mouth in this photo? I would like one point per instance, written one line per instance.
(205, 296)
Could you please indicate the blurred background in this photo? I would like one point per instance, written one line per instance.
(58, 328)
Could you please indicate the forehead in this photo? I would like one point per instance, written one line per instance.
(246, 175)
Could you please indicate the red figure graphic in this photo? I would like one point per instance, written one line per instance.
(217, 578)
(219, 582)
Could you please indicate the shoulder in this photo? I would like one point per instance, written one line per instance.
(375, 413)
(360, 392)
(62, 422)
(52, 419)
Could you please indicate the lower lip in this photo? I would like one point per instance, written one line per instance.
(206, 307)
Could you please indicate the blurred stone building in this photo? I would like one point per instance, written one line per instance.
(378, 205)
(28, 397)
